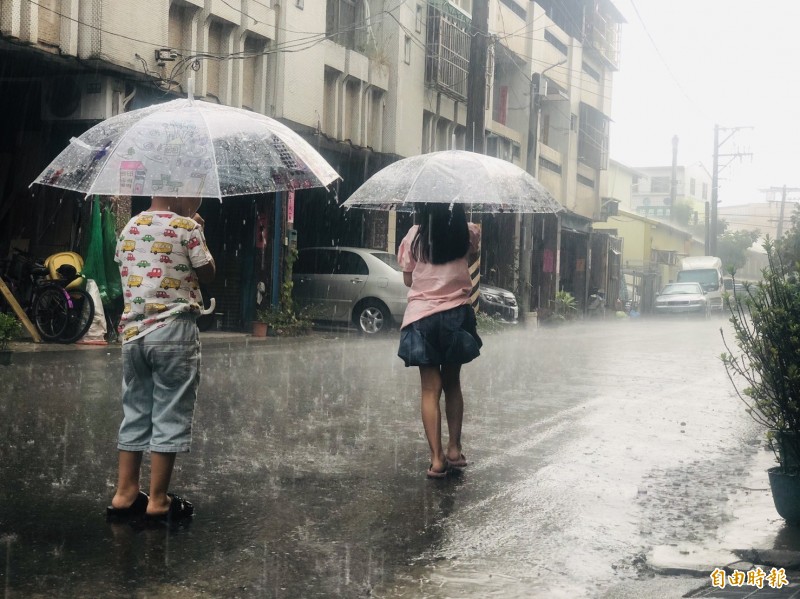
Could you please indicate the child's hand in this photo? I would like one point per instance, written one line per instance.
(198, 219)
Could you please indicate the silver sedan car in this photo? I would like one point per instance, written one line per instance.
(365, 287)
(682, 298)
(348, 284)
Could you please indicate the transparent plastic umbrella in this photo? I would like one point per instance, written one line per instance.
(188, 148)
(482, 183)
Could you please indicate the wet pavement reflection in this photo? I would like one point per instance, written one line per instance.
(307, 467)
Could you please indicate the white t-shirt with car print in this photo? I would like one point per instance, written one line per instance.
(157, 253)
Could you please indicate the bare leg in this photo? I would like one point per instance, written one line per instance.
(431, 380)
(453, 407)
(161, 465)
(130, 464)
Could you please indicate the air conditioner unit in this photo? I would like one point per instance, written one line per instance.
(81, 97)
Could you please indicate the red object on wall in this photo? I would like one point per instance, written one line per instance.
(502, 109)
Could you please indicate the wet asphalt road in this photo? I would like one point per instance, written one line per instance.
(589, 444)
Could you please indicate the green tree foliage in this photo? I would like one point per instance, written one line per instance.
(682, 214)
(789, 244)
(732, 247)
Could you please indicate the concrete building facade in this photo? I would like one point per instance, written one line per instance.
(365, 81)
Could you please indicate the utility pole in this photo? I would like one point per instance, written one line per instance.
(784, 193)
(476, 78)
(712, 241)
(673, 186)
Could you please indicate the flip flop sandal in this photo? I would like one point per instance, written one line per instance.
(461, 462)
(431, 473)
(179, 509)
(137, 508)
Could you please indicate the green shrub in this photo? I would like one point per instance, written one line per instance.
(10, 328)
(764, 369)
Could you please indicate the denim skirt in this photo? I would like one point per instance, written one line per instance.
(449, 337)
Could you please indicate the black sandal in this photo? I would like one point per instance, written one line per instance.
(137, 508)
(179, 509)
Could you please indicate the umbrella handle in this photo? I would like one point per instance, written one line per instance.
(212, 303)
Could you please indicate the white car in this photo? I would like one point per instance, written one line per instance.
(683, 298)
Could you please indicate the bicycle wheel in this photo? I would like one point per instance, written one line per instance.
(50, 310)
(79, 318)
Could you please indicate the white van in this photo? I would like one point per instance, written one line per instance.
(706, 270)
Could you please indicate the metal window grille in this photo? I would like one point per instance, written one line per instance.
(448, 42)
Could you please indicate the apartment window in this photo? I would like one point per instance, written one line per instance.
(340, 24)
(515, 8)
(591, 72)
(691, 187)
(585, 181)
(407, 52)
(705, 191)
(659, 185)
(550, 166)
(593, 137)
(562, 47)
(418, 22)
(300, 4)
(447, 50)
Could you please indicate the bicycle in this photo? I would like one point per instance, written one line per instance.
(60, 310)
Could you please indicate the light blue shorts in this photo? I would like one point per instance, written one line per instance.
(160, 376)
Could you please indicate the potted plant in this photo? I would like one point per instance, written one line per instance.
(282, 320)
(765, 372)
(564, 308)
(9, 330)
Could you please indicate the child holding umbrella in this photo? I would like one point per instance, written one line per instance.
(439, 330)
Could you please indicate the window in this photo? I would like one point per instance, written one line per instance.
(447, 50)
(299, 4)
(407, 55)
(418, 22)
(691, 187)
(341, 19)
(659, 184)
(593, 137)
(315, 262)
(562, 47)
(705, 191)
(349, 263)
(590, 71)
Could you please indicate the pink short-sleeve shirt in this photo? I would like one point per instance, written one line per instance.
(436, 287)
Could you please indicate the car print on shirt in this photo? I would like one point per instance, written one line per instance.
(182, 223)
(145, 219)
(124, 271)
(170, 283)
(165, 259)
(156, 272)
(134, 281)
(138, 300)
(148, 238)
(128, 293)
(162, 294)
(130, 257)
(128, 245)
(161, 247)
(181, 268)
(193, 243)
(170, 233)
(154, 308)
(131, 332)
(133, 231)
(142, 264)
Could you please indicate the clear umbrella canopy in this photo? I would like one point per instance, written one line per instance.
(188, 148)
(482, 183)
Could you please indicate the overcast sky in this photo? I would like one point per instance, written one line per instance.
(729, 62)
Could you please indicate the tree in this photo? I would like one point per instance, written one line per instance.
(789, 244)
(732, 247)
(682, 213)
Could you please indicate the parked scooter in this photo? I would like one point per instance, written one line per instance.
(596, 308)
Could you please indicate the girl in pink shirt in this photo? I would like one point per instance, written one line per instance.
(439, 328)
